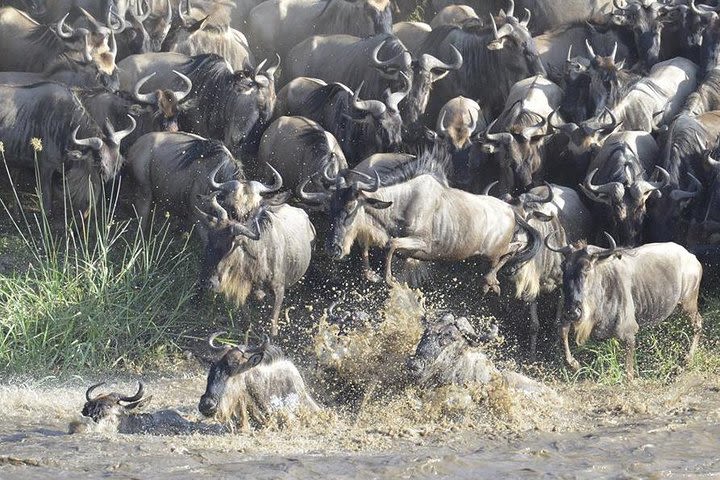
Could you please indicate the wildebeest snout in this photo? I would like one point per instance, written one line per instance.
(208, 405)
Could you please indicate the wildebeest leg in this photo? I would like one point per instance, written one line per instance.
(490, 278)
(534, 328)
(565, 332)
(370, 274)
(143, 201)
(630, 357)
(691, 309)
(412, 244)
(279, 294)
(46, 178)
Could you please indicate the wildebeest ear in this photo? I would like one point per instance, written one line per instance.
(255, 360)
(279, 198)
(542, 216)
(377, 203)
(138, 404)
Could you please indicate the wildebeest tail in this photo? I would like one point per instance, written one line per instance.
(534, 243)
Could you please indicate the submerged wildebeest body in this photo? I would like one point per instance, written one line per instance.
(234, 107)
(506, 53)
(271, 249)
(73, 144)
(250, 383)
(173, 169)
(392, 213)
(276, 26)
(298, 148)
(612, 292)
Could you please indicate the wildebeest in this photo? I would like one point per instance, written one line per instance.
(73, 144)
(276, 26)
(459, 119)
(379, 63)
(548, 209)
(234, 107)
(644, 19)
(175, 169)
(612, 292)
(269, 246)
(118, 410)
(516, 140)
(248, 383)
(143, 31)
(199, 37)
(292, 97)
(617, 180)
(411, 34)
(392, 213)
(299, 149)
(453, 15)
(362, 127)
(506, 53)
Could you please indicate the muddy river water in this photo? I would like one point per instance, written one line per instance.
(641, 430)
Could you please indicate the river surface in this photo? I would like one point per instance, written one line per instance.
(642, 430)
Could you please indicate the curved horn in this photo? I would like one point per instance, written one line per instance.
(183, 19)
(532, 198)
(91, 18)
(149, 98)
(211, 341)
(180, 95)
(442, 130)
(524, 22)
(705, 11)
(563, 250)
(374, 107)
(113, 45)
(534, 130)
(367, 187)
(262, 346)
(93, 142)
(118, 136)
(490, 187)
(398, 61)
(331, 310)
(238, 228)
(664, 178)
(227, 187)
(259, 67)
(613, 53)
(138, 395)
(678, 194)
(604, 189)
(61, 26)
(271, 70)
(502, 137)
(615, 3)
(312, 197)
(589, 47)
(569, 54)
(505, 29)
(90, 390)
(473, 120)
(395, 98)
(430, 62)
(613, 121)
(511, 8)
(710, 161)
(141, 15)
(121, 25)
(277, 184)
(604, 253)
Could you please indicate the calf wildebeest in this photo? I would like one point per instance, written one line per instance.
(392, 212)
(276, 26)
(506, 54)
(119, 411)
(299, 148)
(616, 181)
(548, 209)
(612, 292)
(175, 169)
(379, 63)
(271, 249)
(517, 139)
(199, 37)
(362, 127)
(73, 144)
(249, 383)
(234, 107)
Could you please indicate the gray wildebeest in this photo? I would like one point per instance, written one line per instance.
(73, 144)
(276, 26)
(612, 292)
(272, 248)
(234, 107)
(392, 212)
(251, 382)
(299, 148)
(504, 52)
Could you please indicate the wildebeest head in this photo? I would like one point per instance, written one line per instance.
(514, 34)
(643, 18)
(459, 130)
(699, 19)
(141, 31)
(669, 215)
(166, 103)
(233, 361)
(426, 70)
(578, 263)
(346, 201)
(626, 199)
(517, 151)
(445, 333)
(380, 120)
(112, 404)
(588, 136)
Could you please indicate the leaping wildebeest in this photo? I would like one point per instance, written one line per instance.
(612, 292)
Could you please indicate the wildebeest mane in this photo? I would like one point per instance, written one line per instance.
(706, 97)
(45, 37)
(343, 17)
(195, 149)
(315, 138)
(432, 162)
(357, 67)
(682, 145)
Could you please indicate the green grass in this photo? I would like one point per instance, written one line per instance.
(95, 294)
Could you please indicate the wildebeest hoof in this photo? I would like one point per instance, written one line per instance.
(260, 295)
(495, 288)
(574, 364)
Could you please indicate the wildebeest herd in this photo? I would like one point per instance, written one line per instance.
(567, 143)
